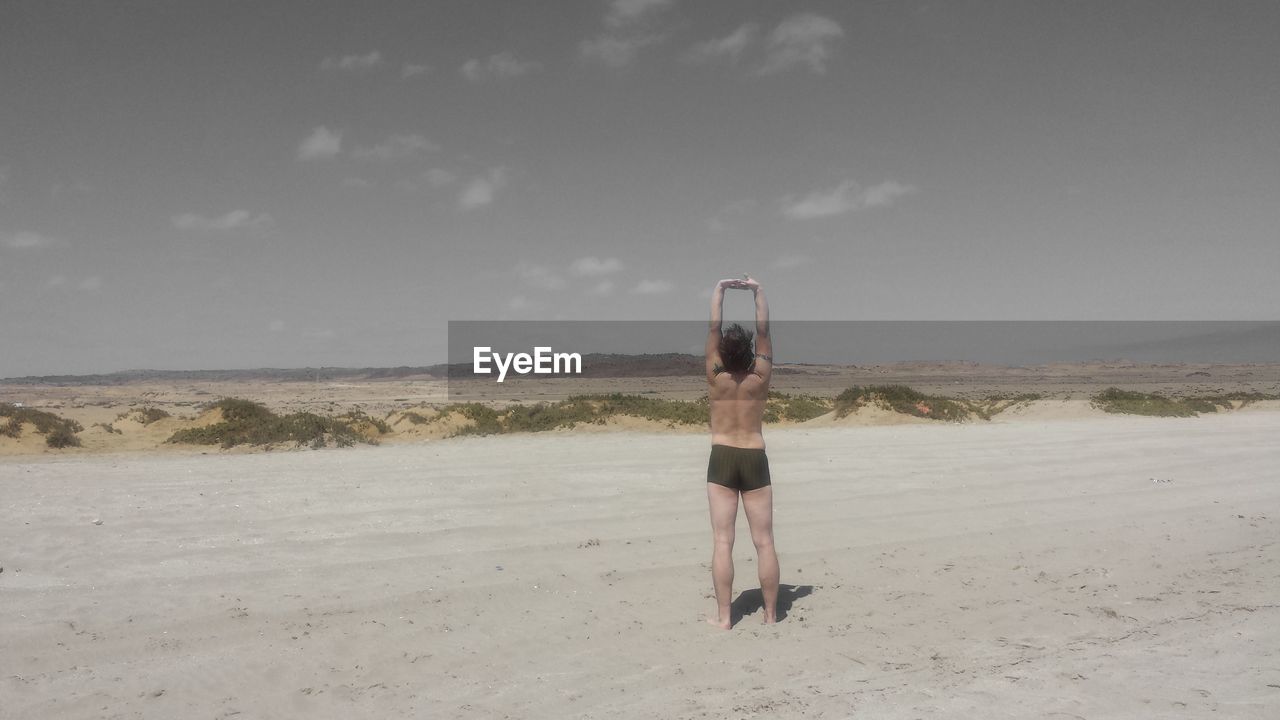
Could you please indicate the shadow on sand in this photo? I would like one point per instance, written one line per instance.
(750, 601)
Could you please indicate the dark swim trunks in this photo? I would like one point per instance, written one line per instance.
(738, 468)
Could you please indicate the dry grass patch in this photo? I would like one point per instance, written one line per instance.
(59, 432)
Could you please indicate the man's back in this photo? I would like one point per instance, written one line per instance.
(737, 408)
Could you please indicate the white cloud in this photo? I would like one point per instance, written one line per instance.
(604, 287)
(321, 144)
(616, 51)
(24, 240)
(728, 48)
(411, 70)
(276, 326)
(482, 190)
(652, 287)
(503, 66)
(628, 24)
(57, 281)
(539, 276)
(590, 266)
(519, 302)
(800, 41)
(886, 193)
(396, 147)
(356, 182)
(90, 284)
(843, 198)
(626, 12)
(353, 63)
(232, 221)
(819, 203)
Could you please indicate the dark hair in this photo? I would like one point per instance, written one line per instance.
(736, 351)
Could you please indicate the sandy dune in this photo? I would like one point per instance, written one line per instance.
(1113, 567)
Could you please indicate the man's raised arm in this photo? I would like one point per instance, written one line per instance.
(717, 307)
(713, 330)
(764, 342)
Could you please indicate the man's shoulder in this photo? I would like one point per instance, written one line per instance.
(747, 387)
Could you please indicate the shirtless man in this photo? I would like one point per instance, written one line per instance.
(738, 385)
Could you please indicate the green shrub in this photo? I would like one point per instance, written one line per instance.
(238, 410)
(805, 407)
(575, 410)
(781, 406)
(484, 419)
(1115, 400)
(245, 422)
(61, 437)
(679, 412)
(357, 417)
(148, 415)
(903, 399)
(59, 432)
(544, 416)
(1228, 400)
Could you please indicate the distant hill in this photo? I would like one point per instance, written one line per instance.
(610, 365)
(594, 365)
(127, 377)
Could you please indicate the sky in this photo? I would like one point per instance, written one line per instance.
(220, 185)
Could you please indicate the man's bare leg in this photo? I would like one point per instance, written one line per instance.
(758, 505)
(723, 503)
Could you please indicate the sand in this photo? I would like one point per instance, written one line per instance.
(1065, 567)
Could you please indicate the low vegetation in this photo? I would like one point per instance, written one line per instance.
(359, 418)
(903, 399)
(796, 408)
(780, 407)
(144, 415)
(909, 401)
(245, 422)
(1129, 402)
(576, 410)
(59, 432)
(996, 404)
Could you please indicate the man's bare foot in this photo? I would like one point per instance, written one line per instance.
(770, 619)
(722, 624)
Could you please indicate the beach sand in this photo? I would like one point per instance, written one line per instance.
(1066, 567)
